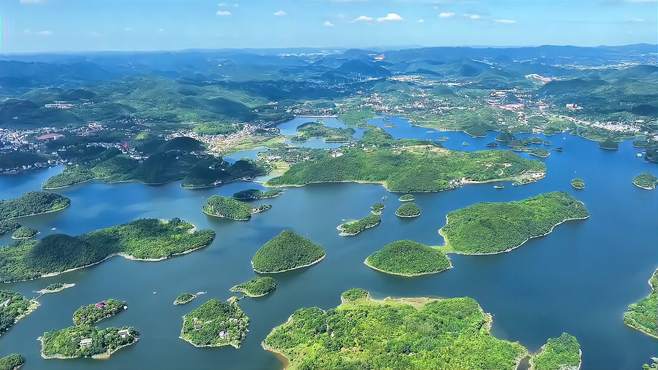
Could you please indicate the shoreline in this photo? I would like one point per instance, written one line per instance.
(228, 218)
(99, 356)
(59, 209)
(234, 289)
(291, 269)
(407, 275)
(531, 365)
(236, 346)
(63, 287)
(342, 233)
(644, 187)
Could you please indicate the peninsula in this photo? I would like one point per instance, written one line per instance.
(643, 315)
(13, 308)
(559, 353)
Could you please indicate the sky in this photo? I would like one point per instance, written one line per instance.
(131, 25)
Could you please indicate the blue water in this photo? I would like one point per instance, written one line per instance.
(579, 279)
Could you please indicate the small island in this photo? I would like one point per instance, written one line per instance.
(609, 144)
(86, 341)
(256, 194)
(232, 209)
(144, 240)
(377, 208)
(558, 353)
(352, 228)
(55, 288)
(491, 228)
(578, 184)
(285, 252)
(309, 130)
(13, 361)
(408, 210)
(215, 324)
(24, 233)
(257, 287)
(32, 204)
(99, 311)
(645, 181)
(13, 308)
(407, 198)
(364, 333)
(408, 258)
(643, 315)
(184, 298)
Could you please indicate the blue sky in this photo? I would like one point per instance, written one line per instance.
(86, 25)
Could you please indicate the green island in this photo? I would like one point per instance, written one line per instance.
(91, 314)
(24, 232)
(184, 298)
(8, 226)
(32, 204)
(317, 129)
(256, 194)
(86, 341)
(407, 198)
(257, 287)
(144, 240)
(408, 258)
(490, 228)
(13, 361)
(377, 208)
(55, 288)
(643, 315)
(558, 353)
(230, 208)
(393, 333)
(285, 252)
(215, 324)
(408, 210)
(578, 184)
(13, 308)
(352, 228)
(645, 181)
(413, 168)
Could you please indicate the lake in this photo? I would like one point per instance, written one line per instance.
(579, 279)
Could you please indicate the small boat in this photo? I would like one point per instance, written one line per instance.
(499, 187)
(558, 149)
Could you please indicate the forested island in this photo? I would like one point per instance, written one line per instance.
(145, 239)
(13, 361)
(230, 208)
(32, 204)
(215, 324)
(407, 198)
(93, 313)
(578, 184)
(256, 194)
(408, 210)
(377, 208)
(364, 333)
(643, 315)
(559, 353)
(355, 227)
(86, 341)
(286, 251)
(55, 288)
(413, 168)
(13, 308)
(309, 130)
(184, 298)
(24, 232)
(490, 228)
(408, 258)
(645, 181)
(257, 287)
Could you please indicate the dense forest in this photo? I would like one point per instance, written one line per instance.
(408, 258)
(215, 324)
(256, 287)
(32, 203)
(286, 251)
(643, 315)
(229, 208)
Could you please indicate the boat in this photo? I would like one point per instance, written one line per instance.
(499, 187)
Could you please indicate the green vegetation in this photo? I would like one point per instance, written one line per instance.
(412, 168)
(643, 315)
(653, 366)
(286, 251)
(256, 287)
(377, 208)
(578, 184)
(7, 226)
(14, 307)
(32, 203)
(86, 341)
(146, 239)
(354, 294)
(225, 207)
(558, 353)
(609, 144)
(55, 288)
(407, 198)
(184, 298)
(352, 228)
(357, 117)
(95, 312)
(489, 228)
(71, 175)
(11, 362)
(24, 232)
(408, 258)
(215, 324)
(256, 194)
(318, 129)
(408, 210)
(645, 181)
(412, 333)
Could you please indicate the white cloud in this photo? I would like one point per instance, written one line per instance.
(446, 15)
(390, 17)
(224, 13)
(420, 21)
(328, 24)
(44, 33)
(505, 21)
(31, 2)
(280, 13)
(473, 17)
(127, 29)
(363, 18)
